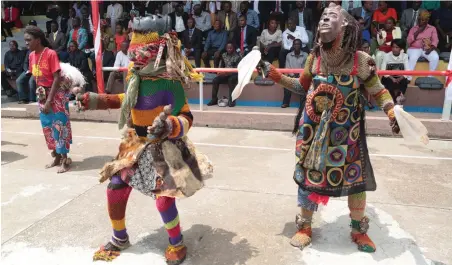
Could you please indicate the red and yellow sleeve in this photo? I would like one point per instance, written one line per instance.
(181, 123)
(297, 85)
(93, 101)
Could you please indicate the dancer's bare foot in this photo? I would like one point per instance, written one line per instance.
(65, 163)
(56, 161)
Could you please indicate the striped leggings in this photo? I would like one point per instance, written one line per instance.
(118, 194)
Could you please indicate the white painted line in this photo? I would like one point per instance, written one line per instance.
(242, 146)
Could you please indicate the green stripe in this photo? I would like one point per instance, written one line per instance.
(150, 87)
(173, 223)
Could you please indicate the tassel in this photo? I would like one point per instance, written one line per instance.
(319, 199)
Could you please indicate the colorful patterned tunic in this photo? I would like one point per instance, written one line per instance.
(331, 151)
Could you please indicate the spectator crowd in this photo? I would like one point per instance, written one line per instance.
(397, 34)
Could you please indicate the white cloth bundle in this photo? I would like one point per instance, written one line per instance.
(246, 68)
(413, 131)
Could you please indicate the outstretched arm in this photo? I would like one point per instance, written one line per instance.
(93, 101)
(372, 84)
(297, 85)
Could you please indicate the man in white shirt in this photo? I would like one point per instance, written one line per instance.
(202, 20)
(292, 33)
(114, 13)
(122, 60)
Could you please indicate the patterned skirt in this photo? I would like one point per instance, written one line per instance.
(56, 125)
(172, 168)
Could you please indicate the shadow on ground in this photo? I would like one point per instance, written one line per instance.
(205, 245)
(334, 238)
(10, 157)
(89, 163)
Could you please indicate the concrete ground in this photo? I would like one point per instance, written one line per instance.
(244, 215)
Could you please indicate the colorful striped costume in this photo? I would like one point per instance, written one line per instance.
(155, 80)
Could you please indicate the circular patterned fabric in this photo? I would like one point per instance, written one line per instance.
(336, 156)
(315, 177)
(352, 173)
(324, 97)
(342, 116)
(338, 136)
(308, 133)
(354, 134)
(352, 153)
(351, 98)
(335, 176)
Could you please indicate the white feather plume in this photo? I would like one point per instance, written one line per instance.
(70, 72)
(245, 68)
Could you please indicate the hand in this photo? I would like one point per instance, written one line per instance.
(217, 54)
(263, 68)
(266, 50)
(47, 107)
(290, 37)
(187, 52)
(394, 126)
(428, 51)
(393, 79)
(204, 54)
(380, 34)
(161, 127)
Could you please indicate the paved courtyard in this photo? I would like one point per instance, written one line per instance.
(244, 215)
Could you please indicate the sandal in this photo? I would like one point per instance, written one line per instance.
(111, 250)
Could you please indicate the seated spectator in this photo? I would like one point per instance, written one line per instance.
(431, 5)
(87, 23)
(350, 5)
(107, 58)
(106, 37)
(384, 39)
(213, 8)
(78, 34)
(202, 20)
(215, 45)
(12, 17)
(114, 13)
(278, 10)
(302, 17)
(380, 17)
(192, 42)
(292, 33)
(70, 20)
(122, 60)
(396, 60)
(188, 7)
(133, 13)
(26, 85)
(294, 60)
(410, 17)
(245, 37)
(229, 59)
(270, 41)
(179, 20)
(443, 23)
(57, 41)
(364, 12)
(78, 59)
(422, 41)
(14, 61)
(365, 47)
(252, 19)
(364, 32)
(120, 37)
(228, 18)
(55, 13)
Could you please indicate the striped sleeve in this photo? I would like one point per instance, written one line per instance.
(373, 85)
(296, 85)
(93, 101)
(181, 123)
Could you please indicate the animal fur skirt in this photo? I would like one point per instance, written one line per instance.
(170, 168)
